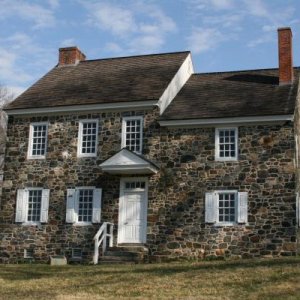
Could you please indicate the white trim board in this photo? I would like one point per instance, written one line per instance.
(178, 81)
(227, 121)
(88, 107)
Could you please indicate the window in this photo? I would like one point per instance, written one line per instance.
(87, 138)
(28, 253)
(226, 141)
(226, 207)
(32, 206)
(37, 140)
(83, 205)
(132, 133)
(76, 253)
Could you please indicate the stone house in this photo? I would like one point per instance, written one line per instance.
(143, 155)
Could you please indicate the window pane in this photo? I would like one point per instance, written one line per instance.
(38, 142)
(34, 205)
(227, 143)
(89, 137)
(85, 205)
(133, 135)
(227, 209)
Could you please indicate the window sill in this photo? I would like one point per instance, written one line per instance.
(226, 159)
(36, 224)
(82, 224)
(36, 157)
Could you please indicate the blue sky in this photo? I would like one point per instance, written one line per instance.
(222, 34)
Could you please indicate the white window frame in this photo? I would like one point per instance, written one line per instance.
(124, 120)
(217, 144)
(25, 208)
(78, 189)
(228, 223)
(72, 203)
(79, 143)
(30, 142)
(212, 208)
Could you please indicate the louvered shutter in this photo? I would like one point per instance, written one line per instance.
(21, 205)
(210, 208)
(71, 202)
(97, 206)
(45, 205)
(242, 207)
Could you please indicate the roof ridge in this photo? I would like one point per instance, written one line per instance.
(240, 71)
(133, 56)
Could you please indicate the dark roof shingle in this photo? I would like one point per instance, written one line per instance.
(233, 94)
(135, 78)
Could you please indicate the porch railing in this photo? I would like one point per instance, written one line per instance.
(104, 232)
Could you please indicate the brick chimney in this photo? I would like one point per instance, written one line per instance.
(285, 52)
(70, 56)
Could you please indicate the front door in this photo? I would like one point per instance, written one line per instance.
(132, 225)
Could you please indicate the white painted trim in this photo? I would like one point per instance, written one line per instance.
(217, 144)
(79, 141)
(29, 151)
(32, 223)
(121, 204)
(178, 81)
(76, 209)
(124, 120)
(87, 107)
(235, 204)
(227, 121)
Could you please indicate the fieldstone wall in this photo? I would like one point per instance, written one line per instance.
(59, 171)
(176, 225)
(265, 170)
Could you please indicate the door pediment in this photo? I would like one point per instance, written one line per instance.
(128, 162)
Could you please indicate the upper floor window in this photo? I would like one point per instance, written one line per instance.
(132, 133)
(87, 138)
(226, 144)
(226, 207)
(37, 145)
(83, 205)
(32, 206)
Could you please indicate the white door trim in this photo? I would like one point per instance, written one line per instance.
(121, 203)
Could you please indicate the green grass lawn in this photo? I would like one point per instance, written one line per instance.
(247, 279)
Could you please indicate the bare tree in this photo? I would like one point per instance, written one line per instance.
(6, 96)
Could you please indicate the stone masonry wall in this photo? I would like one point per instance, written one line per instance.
(59, 171)
(265, 170)
(176, 226)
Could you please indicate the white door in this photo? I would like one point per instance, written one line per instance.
(132, 211)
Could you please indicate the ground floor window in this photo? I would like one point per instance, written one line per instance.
(226, 207)
(83, 205)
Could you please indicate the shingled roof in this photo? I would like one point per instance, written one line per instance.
(233, 94)
(135, 78)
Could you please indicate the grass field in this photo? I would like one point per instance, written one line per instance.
(248, 279)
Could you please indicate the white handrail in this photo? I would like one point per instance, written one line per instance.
(101, 236)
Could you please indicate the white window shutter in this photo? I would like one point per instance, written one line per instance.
(21, 206)
(210, 208)
(97, 206)
(70, 210)
(45, 205)
(242, 207)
